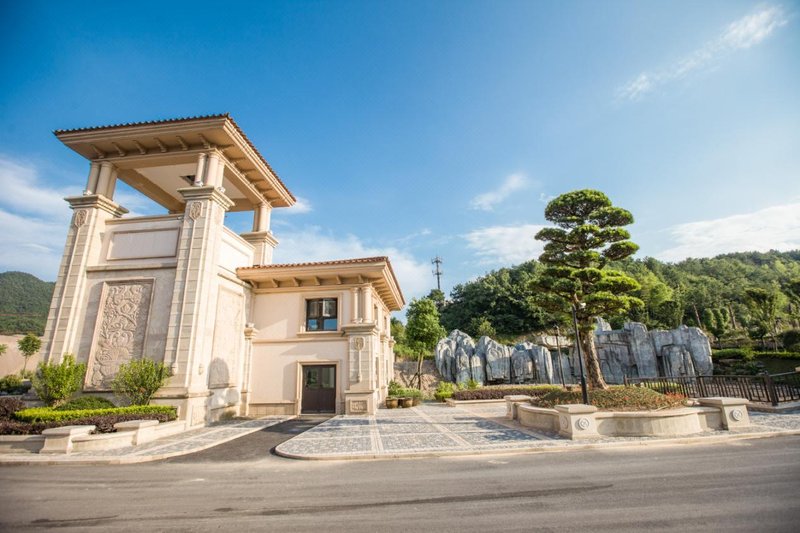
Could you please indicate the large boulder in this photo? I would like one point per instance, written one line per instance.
(497, 357)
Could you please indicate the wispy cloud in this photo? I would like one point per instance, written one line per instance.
(488, 200)
(772, 228)
(505, 245)
(301, 207)
(312, 243)
(741, 34)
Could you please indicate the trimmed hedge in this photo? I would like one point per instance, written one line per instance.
(48, 414)
(617, 398)
(497, 392)
(86, 402)
(777, 355)
(103, 423)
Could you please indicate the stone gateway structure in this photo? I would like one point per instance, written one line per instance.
(243, 336)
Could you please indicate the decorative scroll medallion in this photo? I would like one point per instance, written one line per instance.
(583, 423)
(122, 324)
(195, 210)
(80, 218)
(737, 414)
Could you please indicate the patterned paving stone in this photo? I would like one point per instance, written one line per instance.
(418, 442)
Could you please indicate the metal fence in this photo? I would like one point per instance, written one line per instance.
(765, 388)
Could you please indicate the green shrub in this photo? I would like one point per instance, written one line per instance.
(49, 414)
(86, 402)
(733, 353)
(471, 384)
(394, 388)
(791, 340)
(444, 390)
(139, 380)
(777, 355)
(617, 398)
(10, 384)
(55, 383)
(104, 423)
(498, 392)
(406, 393)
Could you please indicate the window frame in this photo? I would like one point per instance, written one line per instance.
(321, 318)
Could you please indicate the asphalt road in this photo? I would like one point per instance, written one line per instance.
(749, 485)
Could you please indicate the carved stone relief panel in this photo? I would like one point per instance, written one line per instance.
(228, 336)
(120, 331)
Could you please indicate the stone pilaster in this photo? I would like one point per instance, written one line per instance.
(82, 249)
(192, 313)
(264, 243)
(250, 332)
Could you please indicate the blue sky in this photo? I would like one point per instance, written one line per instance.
(417, 129)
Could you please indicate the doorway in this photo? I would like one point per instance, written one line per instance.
(319, 389)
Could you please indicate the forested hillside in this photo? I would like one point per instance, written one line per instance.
(740, 294)
(24, 302)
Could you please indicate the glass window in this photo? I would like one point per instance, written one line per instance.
(321, 314)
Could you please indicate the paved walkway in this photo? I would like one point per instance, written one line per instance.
(191, 441)
(437, 429)
(427, 430)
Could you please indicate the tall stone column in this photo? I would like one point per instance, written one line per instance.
(250, 332)
(261, 238)
(82, 249)
(192, 314)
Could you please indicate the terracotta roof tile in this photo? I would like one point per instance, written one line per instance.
(185, 119)
(321, 263)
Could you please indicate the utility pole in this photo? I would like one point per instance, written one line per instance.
(437, 262)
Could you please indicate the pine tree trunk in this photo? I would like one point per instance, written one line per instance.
(594, 376)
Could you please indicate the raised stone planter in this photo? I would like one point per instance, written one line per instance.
(578, 421)
(513, 401)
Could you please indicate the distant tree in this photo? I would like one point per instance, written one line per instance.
(588, 235)
(716, 322)
(764, 307)
(481, 326)
(29, 345)
(3, 348)
(437, 296)
(423, 329)
(398, 331)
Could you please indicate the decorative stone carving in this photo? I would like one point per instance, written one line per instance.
(195, 210)
(79, 219)
(582, 424)
(120, 331)
(737, 414)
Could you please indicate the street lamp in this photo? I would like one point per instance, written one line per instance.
(584, 392)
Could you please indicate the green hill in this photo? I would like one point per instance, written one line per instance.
(24, 303)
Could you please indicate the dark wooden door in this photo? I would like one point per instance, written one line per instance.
(319, 389)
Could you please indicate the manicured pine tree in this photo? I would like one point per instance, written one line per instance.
(588, 235)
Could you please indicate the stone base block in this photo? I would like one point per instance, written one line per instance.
(59, 440)
(732, 410)
(513, 401)
(360, 403)
(577, 421)
(143, 430)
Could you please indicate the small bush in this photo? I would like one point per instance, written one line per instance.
(444, 390)
(11, 384)
(140, 379)
(56, 383)
(498, 392)
(733, 353)
(394, 388)
(406, 393)
(617, 398)
(9, 406)
(86, 402)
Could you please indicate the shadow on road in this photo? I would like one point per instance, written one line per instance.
(254, 446)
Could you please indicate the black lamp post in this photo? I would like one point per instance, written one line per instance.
(584, 392)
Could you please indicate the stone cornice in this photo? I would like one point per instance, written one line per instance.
(96, 201)
(206, 193)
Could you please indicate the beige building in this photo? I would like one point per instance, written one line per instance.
(241, 335)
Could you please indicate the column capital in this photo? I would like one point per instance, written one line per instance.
(206, 192)
(96, 201)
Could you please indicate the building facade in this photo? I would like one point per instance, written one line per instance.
(241, 335)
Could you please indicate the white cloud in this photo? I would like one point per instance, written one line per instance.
(505, 245)
(773, 228)
(312, 244)
(741, 34)
(33, 219)
(487, 200)
(301, 207)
